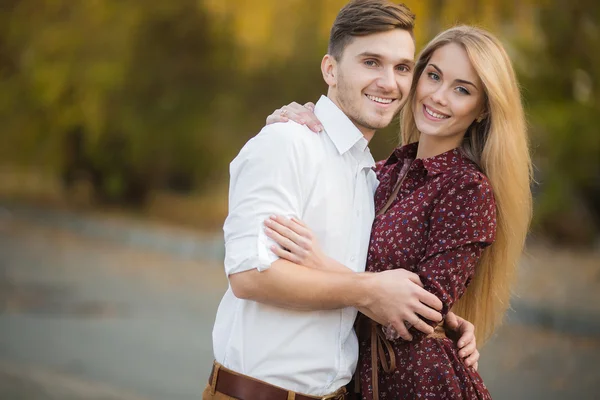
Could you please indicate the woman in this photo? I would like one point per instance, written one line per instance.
(453, 206)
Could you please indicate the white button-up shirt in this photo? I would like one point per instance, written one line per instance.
(327, 181)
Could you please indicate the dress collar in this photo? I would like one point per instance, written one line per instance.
(449, 160)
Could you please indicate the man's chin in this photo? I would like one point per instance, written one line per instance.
(380, 123)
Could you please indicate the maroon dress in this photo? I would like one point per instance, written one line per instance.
(437, 227)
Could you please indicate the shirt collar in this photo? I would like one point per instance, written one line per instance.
(439, 164)
(342, 132)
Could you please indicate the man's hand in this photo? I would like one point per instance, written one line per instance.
(467, 344)
(397, 298)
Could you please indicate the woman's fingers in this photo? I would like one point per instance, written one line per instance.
(284, 242)
(303, 235)
(286, 255)
(276, 117)
(284, 228)
(310, 105)
(468, 352)
(307, 115)
(298, 113)
(473, 360)
(467, 343)
(299, 222)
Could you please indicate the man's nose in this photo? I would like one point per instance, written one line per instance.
(387, 80)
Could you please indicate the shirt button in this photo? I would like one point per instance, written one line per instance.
(352, 258)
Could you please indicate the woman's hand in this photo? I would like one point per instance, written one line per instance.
(302, 114)
(467, 343)
(298, 243)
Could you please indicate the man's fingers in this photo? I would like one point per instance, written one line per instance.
(414, 278)
(402, 331)
(430, 300)
(422, 326)
(427, 312)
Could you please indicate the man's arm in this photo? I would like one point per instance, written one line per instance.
(389, 297)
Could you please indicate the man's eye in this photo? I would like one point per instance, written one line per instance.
(403, 68)
(370, 63)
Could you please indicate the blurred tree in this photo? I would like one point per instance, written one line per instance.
(137, 95)
(561, 76)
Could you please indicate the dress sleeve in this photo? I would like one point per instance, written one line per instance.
(462, 224)
(269, 176)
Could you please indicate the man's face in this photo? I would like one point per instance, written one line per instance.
(372, 79)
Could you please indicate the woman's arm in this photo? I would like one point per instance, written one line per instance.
(461, 227)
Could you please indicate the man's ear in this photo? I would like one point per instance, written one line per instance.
(329, 70)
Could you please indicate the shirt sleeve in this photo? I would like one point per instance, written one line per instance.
(267, 177)
(462, 224)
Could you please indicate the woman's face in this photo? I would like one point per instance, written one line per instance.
(449, 95)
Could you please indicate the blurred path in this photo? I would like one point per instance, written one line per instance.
(94, 308)
(115, 315)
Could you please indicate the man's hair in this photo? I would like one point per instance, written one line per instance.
(366, 17)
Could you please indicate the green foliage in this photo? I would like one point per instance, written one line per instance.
(137, 95)
(561, 76)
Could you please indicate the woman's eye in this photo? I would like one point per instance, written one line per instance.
(462, 90)
(434, 76)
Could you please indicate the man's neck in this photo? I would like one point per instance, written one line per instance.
(367, 133)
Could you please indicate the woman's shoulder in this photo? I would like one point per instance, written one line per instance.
(470, 184)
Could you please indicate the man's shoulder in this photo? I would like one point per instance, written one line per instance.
(290, 132)
(281, 142)
(286, 138)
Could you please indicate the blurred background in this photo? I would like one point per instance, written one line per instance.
(118, 122)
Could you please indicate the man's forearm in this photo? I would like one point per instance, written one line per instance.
(289, 285)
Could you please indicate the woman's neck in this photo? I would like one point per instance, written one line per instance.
(432, 146)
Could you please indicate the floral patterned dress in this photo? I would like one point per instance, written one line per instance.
(437, 227)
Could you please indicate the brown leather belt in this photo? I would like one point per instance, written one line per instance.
(244, 387)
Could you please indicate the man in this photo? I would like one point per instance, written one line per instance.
(284, 331)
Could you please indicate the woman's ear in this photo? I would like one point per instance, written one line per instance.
(482, 116)
(329, 70)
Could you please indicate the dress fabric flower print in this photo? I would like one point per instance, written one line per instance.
(438, 226)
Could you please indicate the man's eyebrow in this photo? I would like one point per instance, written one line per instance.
(465, 82)
(379, 56)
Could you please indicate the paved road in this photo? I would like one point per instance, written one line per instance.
(94, 316)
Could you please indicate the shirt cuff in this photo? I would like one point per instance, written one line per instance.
(252, 252)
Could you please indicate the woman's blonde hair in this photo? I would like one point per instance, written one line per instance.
(499, 146)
